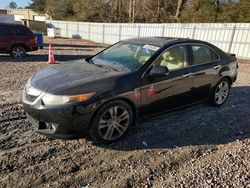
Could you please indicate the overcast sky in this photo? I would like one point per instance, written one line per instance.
(20, 3)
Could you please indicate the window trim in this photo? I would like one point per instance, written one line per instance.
(181, 44)
(197, 44)
(189, 55)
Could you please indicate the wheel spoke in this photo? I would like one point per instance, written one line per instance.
(220, 86)
(120, 129)
(103, 124)
(224, 94)
(121, 126)
(109, 133)
(220, 100)
(123, 116)
(113, 111)
(217, 95)
(224, 88)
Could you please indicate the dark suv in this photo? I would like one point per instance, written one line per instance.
(16, 40)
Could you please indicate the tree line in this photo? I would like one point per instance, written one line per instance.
(145, 11)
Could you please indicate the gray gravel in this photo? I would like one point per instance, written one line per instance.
(199, 146)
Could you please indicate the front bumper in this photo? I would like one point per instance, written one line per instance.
(64, 121)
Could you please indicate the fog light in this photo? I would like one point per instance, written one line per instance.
(49, 126)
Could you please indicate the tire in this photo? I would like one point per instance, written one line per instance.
(18, 52)
(220, 92)
(111, 122)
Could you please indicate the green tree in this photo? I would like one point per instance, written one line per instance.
(12, 5)
(215, 11)
(145, 11)
(38, 6)
(59, 9)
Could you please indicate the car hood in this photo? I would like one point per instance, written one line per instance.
(61, 79)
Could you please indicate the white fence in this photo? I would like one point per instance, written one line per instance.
(233, 37)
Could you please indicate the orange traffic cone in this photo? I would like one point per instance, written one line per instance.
(51, 55)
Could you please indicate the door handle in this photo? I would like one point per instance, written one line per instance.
(217, 66)
(187, 75)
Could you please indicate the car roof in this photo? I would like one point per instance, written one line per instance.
(162, 41)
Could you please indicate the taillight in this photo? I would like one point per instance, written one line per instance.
(33, 39)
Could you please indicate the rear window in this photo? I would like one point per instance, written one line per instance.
(4, 31)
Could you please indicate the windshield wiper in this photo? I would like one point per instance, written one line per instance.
(106, 66)
(90, 61)
(101, 65)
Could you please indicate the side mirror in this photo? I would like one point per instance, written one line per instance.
(159, 71)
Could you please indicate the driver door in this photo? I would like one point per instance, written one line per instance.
(170, 91)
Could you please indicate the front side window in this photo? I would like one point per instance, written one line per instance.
(125, 56)
(203, 54)
(173, 58)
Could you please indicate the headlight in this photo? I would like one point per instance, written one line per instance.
(53, 100)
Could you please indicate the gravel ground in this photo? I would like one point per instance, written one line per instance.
(200, 146)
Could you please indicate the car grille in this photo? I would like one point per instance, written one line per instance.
(30, 98)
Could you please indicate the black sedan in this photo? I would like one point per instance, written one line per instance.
(106, 94)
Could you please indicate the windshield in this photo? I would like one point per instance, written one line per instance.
(125, 56)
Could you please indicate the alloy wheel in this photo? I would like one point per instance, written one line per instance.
(113, 123)
(221, 92)
(18, 52)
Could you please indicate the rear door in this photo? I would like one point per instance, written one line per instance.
(206, 66)
(5, 38)
(163, 93)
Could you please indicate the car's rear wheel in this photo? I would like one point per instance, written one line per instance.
(111, 122)
(18, 52)
(221, 92)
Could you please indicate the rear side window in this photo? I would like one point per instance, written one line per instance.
(203, 54)
(4, 31)
(20, 31)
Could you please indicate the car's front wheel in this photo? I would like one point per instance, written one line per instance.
(221, 92)
(111, 122)
(18, 52)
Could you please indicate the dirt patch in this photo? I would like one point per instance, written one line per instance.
(200, 146)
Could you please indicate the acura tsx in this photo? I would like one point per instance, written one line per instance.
(105, 94)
